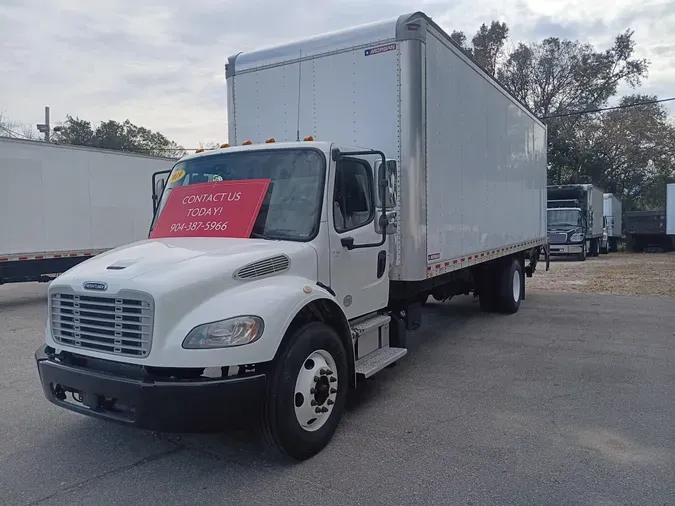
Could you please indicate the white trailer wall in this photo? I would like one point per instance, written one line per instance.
(57, 198)
(612, 208)
(597, 201)
(486, 160)
(317, 87)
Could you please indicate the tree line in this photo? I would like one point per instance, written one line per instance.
(111, 134)
(628, 151)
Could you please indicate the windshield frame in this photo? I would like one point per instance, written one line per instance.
(322, 166)
(576, 210)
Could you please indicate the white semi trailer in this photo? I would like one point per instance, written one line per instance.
(423, 177)
(60, 205)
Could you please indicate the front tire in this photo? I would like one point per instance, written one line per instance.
(582, 256)
(306, 393)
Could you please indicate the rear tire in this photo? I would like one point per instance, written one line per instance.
(310, 373)
(582, 256)
(596, 251)
(511, 287)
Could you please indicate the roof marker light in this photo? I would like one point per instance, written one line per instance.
(247, 143)
(226, 145)
(309, 138)
(270, 140)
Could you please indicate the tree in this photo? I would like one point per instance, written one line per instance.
(123, 136)
(9, 128)
(633, 152)
(487, 45)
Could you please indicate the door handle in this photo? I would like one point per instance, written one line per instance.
(381, 263)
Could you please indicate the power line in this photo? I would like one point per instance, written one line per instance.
(602, 109)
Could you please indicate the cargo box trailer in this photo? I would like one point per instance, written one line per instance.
(60, 205)
(366, 171)
(575, 221)
(612, 222)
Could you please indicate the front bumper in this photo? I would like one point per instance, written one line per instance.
(162, 404)
(566, 249)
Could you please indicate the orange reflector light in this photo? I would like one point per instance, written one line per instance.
(270, 140)
(309, 138)
(247, 143)
(199, 150)
(226, 145)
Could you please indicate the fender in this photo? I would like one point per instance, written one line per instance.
(277, 300)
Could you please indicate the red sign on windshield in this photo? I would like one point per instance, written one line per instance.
(222, 209)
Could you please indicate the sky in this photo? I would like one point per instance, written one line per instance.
(161, 63)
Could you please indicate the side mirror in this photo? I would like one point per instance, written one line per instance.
(159, 187)
(386, 183)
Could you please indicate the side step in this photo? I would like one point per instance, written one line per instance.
(370, 324)
(376, 361)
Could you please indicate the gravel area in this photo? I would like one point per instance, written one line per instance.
(616, 273)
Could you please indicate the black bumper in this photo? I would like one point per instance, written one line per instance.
(194, 405)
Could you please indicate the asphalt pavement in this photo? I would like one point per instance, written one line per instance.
(570, 401)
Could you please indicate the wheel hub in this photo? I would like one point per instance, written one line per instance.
(316, 390)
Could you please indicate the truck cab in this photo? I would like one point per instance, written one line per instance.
(566, 228)
(191, 326)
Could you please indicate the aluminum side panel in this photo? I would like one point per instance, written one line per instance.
(412, 219)
(486, 161)
(231, 117)
(670, 209)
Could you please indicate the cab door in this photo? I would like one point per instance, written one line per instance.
(359, 267)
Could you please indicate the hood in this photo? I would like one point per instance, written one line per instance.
(182, 260)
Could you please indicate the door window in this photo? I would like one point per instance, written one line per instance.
(353, 199)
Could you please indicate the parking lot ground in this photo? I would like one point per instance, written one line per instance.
(569, 401)
(616, 273)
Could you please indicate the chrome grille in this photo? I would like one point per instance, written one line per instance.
(263, 268)
(120, 324)
(557, 237)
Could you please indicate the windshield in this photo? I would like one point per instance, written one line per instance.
(292, 205)
(564, 218)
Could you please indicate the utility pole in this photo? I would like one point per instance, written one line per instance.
(45, 128)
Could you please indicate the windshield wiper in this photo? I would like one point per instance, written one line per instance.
(258, 235)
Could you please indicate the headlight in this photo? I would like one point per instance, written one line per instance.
(578, 237)
(224, 333)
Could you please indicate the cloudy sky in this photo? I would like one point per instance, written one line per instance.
(160, 63)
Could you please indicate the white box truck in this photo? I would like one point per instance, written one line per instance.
(60, 205)
(612, 223)
(424, 177)
(575, 221)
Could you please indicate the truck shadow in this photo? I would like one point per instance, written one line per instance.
(443, 325)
